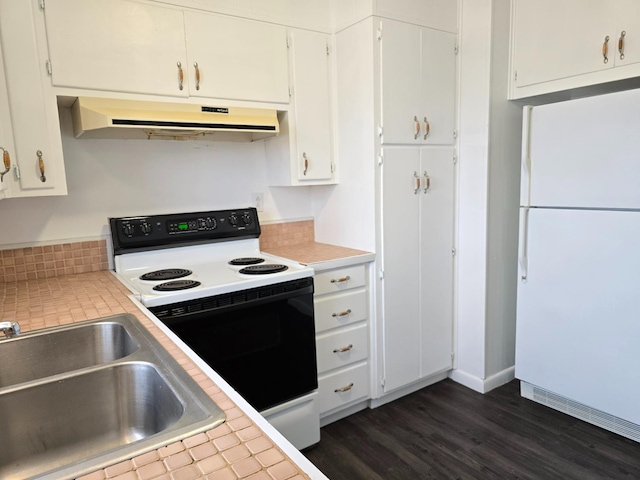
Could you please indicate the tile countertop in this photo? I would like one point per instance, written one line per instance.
(321, 256)
(244, 447)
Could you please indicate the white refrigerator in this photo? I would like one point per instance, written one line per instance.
(578, 312)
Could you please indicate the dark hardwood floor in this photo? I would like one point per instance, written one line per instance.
(447, 431)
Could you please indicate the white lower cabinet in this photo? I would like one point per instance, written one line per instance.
(342, 338)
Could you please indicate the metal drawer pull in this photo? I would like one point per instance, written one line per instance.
(180, 76)
(41, 166)
(417, 177)
(417, 122)
(621, 44)
(306, 163)
(427, 128)
(343, 349)
(605, 50)
(341, 280)
(195, 65)
(344, 389)
(342, 314)
(427, 182)
(6, 158)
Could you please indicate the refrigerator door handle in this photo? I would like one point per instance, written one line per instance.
(525, 183)
(522, 244)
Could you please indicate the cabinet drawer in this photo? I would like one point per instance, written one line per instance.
(353, 380)
(340, 309)
(353, 341)
(339, 279)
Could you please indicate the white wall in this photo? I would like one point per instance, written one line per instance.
(138, 177)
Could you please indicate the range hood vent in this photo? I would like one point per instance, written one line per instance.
(109, 118)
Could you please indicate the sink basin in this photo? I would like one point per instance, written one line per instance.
(115, 395)
(45, 353)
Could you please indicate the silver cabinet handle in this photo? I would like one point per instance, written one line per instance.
(427, 128)
(180, 76)
(341, 280)
(195, 65)
(417, 123)
(43, 178)
(342, 314)
(306, 163)
(343, 349)
(605, 50)
(427, 182)
(344, 389)
(417, 177)
(621, 44)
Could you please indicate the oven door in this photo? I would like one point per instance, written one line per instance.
(261, 341)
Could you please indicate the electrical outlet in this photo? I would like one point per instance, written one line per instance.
(257, 200)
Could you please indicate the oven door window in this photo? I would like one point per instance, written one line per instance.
(265, 349)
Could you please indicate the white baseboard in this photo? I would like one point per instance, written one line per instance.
(414, 387)
(482, 385)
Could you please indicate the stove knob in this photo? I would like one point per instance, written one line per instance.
(233, 219)
(146, 228)
(210, 223)
(246, 218)
(127, 228)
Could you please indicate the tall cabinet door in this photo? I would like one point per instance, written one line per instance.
(6, 132)
(401, 253)
(437, 201)
(236, 58)
(401, 87)
(117, 45)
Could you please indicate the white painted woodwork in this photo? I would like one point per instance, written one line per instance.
(341, 314)
(438, 14)
(418, 70)
(558, 46)
(337, 349)
(354, 377)
(6, 131)
(237, 58)
(401, 263)
(32, 105)
(117, 45)
(437, 213)
(306, 130)
(340, 309)
(418, 264)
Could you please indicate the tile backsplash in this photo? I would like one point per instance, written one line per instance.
(286, 234)
(48, 261)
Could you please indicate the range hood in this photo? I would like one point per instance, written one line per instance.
(115, 118)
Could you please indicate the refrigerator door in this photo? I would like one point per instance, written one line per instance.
(583, 153)
(578, 310)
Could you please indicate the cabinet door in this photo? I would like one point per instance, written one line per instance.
(116, 45)
(312, 103)
(237, 59)
(555, 40)
(628, 13)
(401, 85)
(440, 14)
(6, 132)
(438, 87)
(32, 106)
(436, 260)
(401, 263)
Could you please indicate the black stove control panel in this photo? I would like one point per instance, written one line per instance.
(180, 229)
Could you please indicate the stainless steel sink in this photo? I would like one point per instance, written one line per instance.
(46, 353)
(116, 395)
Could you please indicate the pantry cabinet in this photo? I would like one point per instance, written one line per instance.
(575, 43)
(417, 212)
(30, 124)
(117, 46)
(303, 152)
(342, 339)
(418, 67)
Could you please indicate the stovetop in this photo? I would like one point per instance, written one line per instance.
(186, 242)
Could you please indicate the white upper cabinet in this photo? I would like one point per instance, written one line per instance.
(7, 151)
(574, 43)
(303, 152)
(438, 14)
(117, 45)
(37, 164)
(236, 59)
(418, 68)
